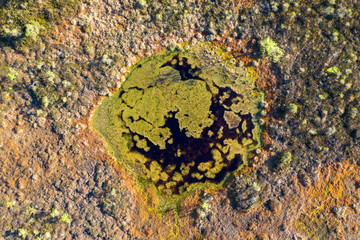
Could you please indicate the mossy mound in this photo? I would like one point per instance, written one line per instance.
(182, 119)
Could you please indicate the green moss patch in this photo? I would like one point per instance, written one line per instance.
(181, 120)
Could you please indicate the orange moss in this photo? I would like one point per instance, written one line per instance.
(267, 80)
(332, 190)
(67, 32)
(266, 140)
(237, 47)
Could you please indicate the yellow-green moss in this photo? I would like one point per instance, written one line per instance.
(181, 120)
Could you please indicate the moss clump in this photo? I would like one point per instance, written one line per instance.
(65, 218)
(22, 233)
(32, 29)
(284, 161)
(181, 120)
(286, 158)
(12, 74)
(270, 49)
(293, 108)
(353, 112)
(333, 70)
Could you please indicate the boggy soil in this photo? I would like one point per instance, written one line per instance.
(57, 180)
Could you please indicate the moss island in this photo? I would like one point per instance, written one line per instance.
(182, 120)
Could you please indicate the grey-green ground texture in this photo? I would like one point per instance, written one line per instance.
(246, 127)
